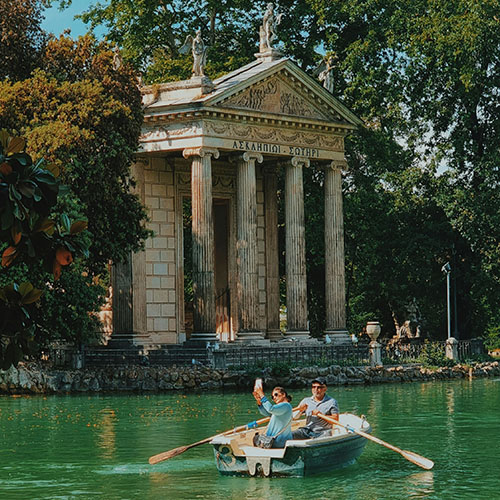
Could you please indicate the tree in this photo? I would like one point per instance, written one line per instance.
(21, 37)
(425, 78)
(82, 112)
(28, 193)
(84, 115)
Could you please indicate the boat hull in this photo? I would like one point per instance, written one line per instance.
(299, 458)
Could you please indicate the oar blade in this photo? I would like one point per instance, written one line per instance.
(423, 462)
(166, 455)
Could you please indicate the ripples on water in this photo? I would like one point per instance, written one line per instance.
(81, 447)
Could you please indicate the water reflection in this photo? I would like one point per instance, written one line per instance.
(111, 437)
(107, 435)
(421, 484)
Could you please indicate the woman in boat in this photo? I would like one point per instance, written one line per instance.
(280, 412)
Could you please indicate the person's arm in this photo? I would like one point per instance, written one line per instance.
(279, 409)
(259, 396)
(263, 411)
(333, 410)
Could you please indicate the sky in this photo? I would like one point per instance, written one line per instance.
(57, 21)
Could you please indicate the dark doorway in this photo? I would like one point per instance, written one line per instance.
(221, 246)
(221, 250)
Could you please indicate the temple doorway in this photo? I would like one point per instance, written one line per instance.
(221, 211)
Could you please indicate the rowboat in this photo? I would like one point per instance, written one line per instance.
(235, 454)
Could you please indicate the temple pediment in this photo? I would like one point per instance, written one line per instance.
(278, 96)
(270, 107)
(280, 88)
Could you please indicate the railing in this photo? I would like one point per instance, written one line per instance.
(406, 351)
(467, 349)
(322, 355)
(410, 351)
(235, 356)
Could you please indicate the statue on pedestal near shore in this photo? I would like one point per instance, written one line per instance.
(268, 28)
(199, 52)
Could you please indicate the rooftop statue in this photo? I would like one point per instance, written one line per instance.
(199, 52)
(268, 28)
(326, 76)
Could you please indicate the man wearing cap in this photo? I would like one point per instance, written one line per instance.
(320, 402)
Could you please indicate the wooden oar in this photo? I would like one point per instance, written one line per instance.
(166, 455)
(423, 462)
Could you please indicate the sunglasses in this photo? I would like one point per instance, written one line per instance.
(318, 386)
(276, 394)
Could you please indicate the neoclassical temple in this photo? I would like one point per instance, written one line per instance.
(219, 146)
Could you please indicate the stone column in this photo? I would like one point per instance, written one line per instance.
(272, 254)
(334, 255)
(296, 282)
(246, 249)
(204, 328)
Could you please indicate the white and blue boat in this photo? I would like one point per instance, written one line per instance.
(235, 454)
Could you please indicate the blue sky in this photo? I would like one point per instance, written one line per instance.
(57, 21)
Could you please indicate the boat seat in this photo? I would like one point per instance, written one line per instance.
(253, 451)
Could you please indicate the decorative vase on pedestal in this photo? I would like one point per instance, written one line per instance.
(373, 330)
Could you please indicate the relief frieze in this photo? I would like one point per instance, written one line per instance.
(274, 135)
(161, 133)
(277, 96)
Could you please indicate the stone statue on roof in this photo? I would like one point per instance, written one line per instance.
(199, 52)
(326, 76)
(268, 29)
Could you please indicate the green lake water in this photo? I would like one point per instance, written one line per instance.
(97, 447)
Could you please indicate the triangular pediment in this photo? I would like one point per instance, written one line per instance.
(283, 90)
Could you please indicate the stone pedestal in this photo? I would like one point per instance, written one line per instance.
(451, 349)
(296, 282)
(373, 330)
(375, 353)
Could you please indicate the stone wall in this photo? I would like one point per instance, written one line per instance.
(36, 379)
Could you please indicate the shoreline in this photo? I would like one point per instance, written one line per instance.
(32, 378)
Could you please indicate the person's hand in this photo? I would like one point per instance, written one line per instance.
(303, 407)
(257, 397)
(315, 412)
(259, 391)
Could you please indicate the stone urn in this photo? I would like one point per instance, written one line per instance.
(373, 330)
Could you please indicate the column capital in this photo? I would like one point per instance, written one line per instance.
(200, 151)
(251, 155)
(300, 161)
(247, 156)
(336, 165)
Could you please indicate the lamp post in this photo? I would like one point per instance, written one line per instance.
(447, 269)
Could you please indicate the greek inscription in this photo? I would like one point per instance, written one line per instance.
(264, 147)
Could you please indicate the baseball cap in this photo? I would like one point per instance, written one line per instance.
(319, 380)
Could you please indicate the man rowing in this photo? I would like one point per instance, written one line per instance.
(319, 402)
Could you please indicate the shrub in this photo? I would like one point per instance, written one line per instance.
(433, 354)
(492, 338)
